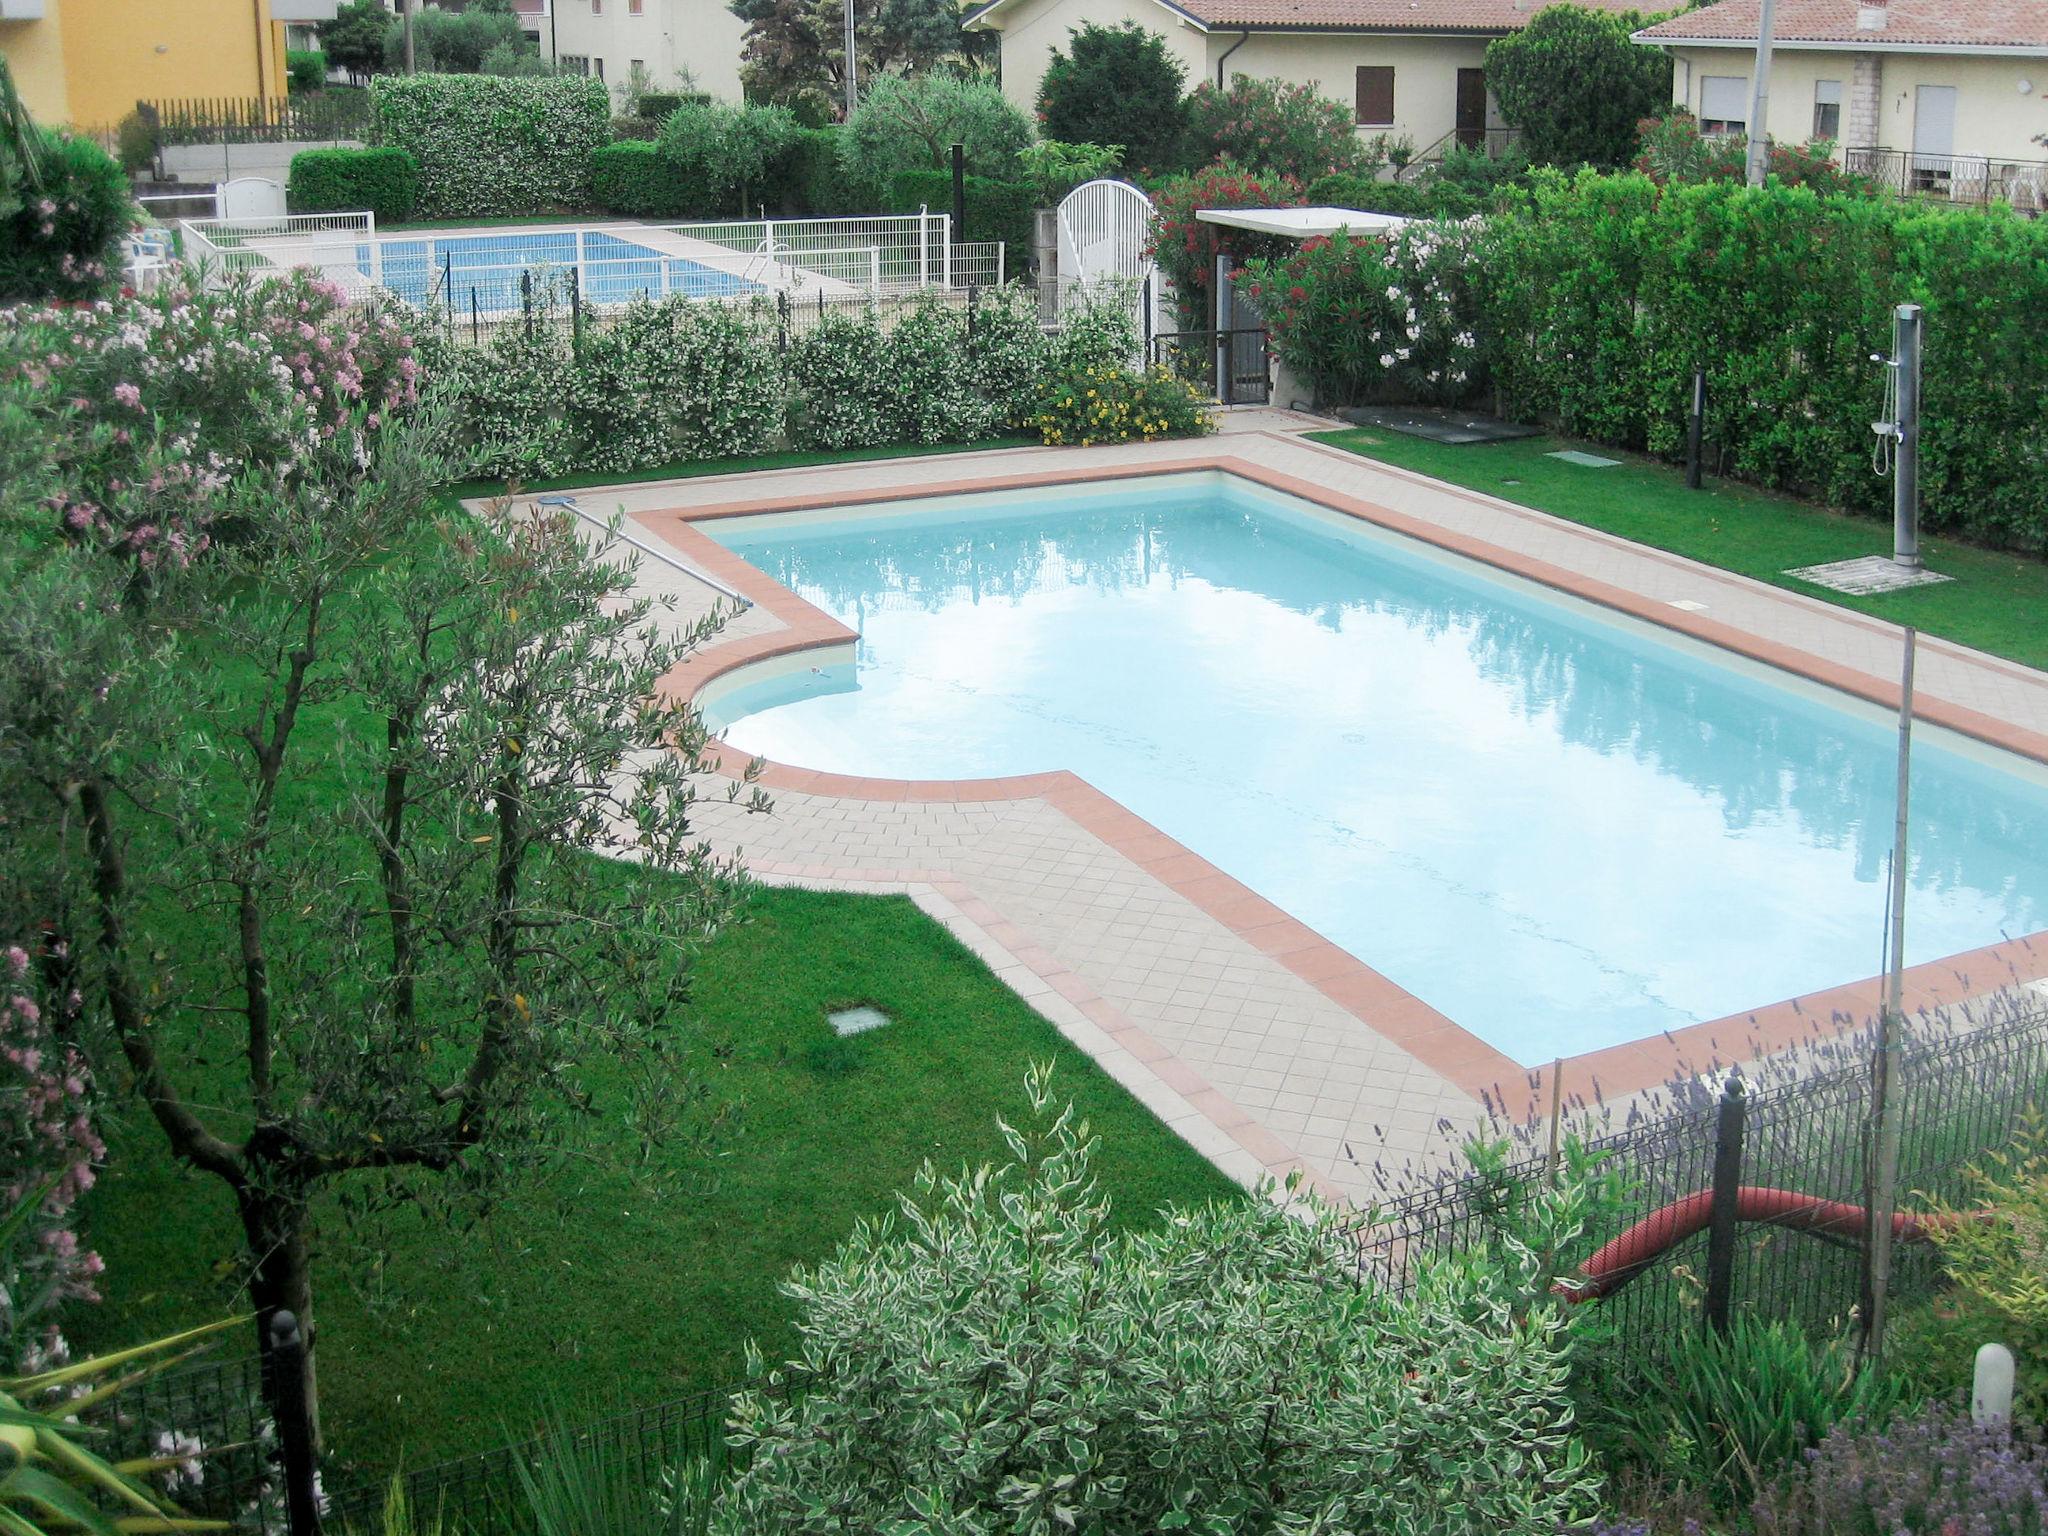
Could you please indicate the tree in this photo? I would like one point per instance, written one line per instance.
(1000, 1358)
(331, 808)
(456, 42)
(794, 53)
(1117, 85)
(1575, 85)
(910, 123)
(1269, 125)
(354, 39)
(723, 148)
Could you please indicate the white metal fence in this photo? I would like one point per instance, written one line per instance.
(488, 275)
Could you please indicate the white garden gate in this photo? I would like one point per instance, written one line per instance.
(1105, 232)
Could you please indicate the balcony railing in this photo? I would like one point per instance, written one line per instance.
(1973, 179)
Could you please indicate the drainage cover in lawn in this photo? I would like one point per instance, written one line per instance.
(856, 1021)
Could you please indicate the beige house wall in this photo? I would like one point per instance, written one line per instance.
(1995, 117)
(669, 37)
(1425, 73)
(1034, 30)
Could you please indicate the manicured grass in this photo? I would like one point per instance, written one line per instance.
(690, 469)
(598, 1289)
(1997, 602)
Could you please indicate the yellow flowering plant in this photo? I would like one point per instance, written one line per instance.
(1108, 403)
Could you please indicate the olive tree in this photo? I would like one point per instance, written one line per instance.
(333, 813)
(998, 1359)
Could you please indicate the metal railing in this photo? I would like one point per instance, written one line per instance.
(1233, 365)
(342, 247)
(257, 119)
(1492, 142)
(1971, 179)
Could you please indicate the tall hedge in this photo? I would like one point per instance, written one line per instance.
(996, 210)
(1598, 295)
(489, 145)
(634, 179)
(385, 181)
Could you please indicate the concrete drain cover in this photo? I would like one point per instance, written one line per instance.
(1585, 460)
(856, 1021)
(1867, 577)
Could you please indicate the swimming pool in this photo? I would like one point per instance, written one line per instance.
(489, 267)
(1561, 827)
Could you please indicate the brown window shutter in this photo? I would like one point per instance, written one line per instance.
(1376, 93)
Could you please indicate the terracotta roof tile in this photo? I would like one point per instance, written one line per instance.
(1486, 16)
(1955, 23)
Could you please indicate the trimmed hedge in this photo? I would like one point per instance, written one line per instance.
(306, 68)
(490, 145)
(635, 179)
(996, 210)
(384, 181)
(808, 178)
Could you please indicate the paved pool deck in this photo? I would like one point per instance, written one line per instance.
(1268, 1048)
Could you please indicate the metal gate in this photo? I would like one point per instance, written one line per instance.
(1232, 365)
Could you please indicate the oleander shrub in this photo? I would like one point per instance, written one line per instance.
(306, 68)
(1386, 316)
(996, 210)
(1935, 1471)
(1119, 404)
(384, 181)
(63, 240)
(490, 145)
(1273, 127)
(633, 178)
(1186, 248)
(994, 1357)
(1672, 148)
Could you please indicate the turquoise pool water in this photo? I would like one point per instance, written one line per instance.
(488, 268)
(1555, 825)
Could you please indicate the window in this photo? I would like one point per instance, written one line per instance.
(597, 7)
(598, 66)
(635, 66)
(1827, 109)
(636, 7)
(1376, 95)
(1724, 104)
(574, 64)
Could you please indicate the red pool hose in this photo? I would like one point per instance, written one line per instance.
(1618, 1262)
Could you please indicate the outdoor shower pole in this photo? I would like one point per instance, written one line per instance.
(1891, 1024)
(1906, 347)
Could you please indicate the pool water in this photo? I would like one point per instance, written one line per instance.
(1560, 827)
(615, 271)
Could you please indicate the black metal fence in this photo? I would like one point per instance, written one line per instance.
(258, 119)
(1961, 1093)
(1972, 179)
(210, 1413)
(1232, 365)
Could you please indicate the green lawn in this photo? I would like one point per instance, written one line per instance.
(637, 1296)
(1996, 603)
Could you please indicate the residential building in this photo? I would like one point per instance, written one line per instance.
(1937, 96)
(88, 62)
(1408, 68)
(667, 38)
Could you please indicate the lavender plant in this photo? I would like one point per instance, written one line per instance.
(1936, 1472)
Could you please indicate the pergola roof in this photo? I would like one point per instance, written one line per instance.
(1302, 223)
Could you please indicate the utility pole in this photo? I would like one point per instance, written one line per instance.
(1760, 97)
(405, 25)
(554, 38)
(852, 90)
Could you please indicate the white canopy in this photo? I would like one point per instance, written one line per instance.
(1302, 223)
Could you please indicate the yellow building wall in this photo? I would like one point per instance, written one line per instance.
(34, 51)
(117, 52)
(1995, 119)
(1034, 29)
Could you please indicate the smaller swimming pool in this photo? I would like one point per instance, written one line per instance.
(489, 272)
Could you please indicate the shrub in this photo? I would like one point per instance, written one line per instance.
(1575, 85)
(996, 210)
(644, 130)
(489, 146)
(1935, 1472)
(455, 42)
(1053, 169)
(306, 68)
(910, 122)
(520, 60)
(1731, 1415)
(722, 151)
(1186, 248)
(661, 105)
(633, 178)
(1005, 353)
(1271, 126)
(1671, 148)
(1365, 317)
(1117, 85)
(63, 241)
(1119, 405)
(386, 182)
(807, 177)
(1465, 182)
(840, 393)
(136, 142)
(936, 399)
(997, 1358)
